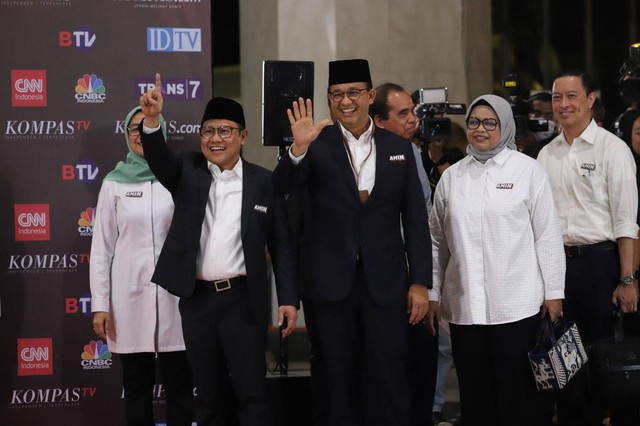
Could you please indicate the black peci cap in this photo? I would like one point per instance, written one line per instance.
(225, 109)
(349, 71)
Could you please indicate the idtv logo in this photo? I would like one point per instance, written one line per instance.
(82, 38)
(174, 40)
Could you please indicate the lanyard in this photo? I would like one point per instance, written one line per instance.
(357, 170)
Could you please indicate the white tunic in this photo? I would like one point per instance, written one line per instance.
(497, 245)
(130, 226)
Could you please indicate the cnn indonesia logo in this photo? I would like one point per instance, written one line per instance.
(35, 357)
(29, 88)
(32, 222)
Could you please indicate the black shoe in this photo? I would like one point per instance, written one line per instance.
(438, 419)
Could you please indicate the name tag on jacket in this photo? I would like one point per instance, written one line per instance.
(399, 157)
(260, 209)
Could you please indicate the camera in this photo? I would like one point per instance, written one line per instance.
(630, 76)
(520, 108)
(432, 102)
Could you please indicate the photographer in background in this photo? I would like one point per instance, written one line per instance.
(438, 154)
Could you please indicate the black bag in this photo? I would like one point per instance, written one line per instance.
(615, 370)
(557, 355)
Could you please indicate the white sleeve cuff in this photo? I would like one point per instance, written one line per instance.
(146, 130)
(294, 159)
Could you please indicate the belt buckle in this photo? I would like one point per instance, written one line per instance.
(222, 285)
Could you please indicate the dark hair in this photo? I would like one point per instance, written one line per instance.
(587, 81)
(380, 105)
(625, 125)
(597, 110)
(540, 96)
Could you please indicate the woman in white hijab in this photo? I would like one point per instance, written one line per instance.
(499, 267)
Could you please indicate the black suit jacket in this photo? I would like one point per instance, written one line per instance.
(188, 179)
(341, 227)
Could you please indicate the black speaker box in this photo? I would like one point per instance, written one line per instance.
(282, 83)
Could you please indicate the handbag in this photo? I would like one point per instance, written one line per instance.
(615, 374)
(557, 355)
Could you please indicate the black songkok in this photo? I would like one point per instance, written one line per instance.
(349, 71)
(224, 109)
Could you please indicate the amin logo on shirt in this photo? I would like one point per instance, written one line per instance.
(396, 158)
(259, 208)
(133, 194)
(588, 166)
(504, 186)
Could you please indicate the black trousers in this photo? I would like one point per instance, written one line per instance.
(224, 341)
(497, 387)
(364, 344)
(590, 282)
(423, 368)
(138, 377)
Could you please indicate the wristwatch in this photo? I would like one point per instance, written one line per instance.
(627, 279)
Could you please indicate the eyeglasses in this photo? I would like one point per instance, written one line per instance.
(133, 130)
(352, 94)
(223, 131)
(489, 124)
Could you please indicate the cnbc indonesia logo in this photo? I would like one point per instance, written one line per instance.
(28, 88)
(85, 223)
(31, 222)
(90, 90)
(96, 356)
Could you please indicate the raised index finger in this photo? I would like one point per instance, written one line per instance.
(158, 83)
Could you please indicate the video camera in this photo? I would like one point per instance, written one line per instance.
(520, 108)
(630, 76)
(431, 102)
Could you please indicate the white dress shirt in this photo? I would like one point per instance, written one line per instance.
(362, 156)
(220, 255)
(497, 246)
(594, 186)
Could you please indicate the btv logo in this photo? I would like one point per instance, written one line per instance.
(174, 40)
(35, 357)
(28, 88)
(32, 222)
(81, 304)
(82, 38)
(81, 172)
